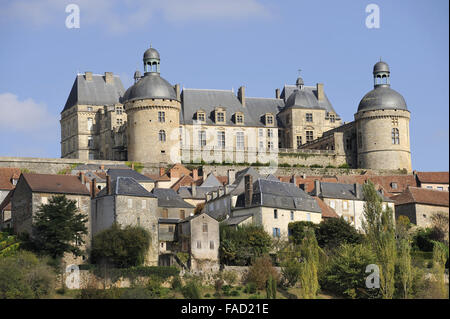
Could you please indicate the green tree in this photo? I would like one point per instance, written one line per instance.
(260, 271)
(59, 227)
(298, 230)
(440, 255)
(404, 266)
(309, 251)
(402, 227)
(378, 225)
(123, 248)
(333, 232)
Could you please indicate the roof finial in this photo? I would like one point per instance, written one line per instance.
(150, 45)
(380, 58)
(299, 70)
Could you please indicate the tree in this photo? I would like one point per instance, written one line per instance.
(402, 227)
(333, 232)
(59, 227)
(440, 255)
(260, 271)
(123, 248)
(378, 225)
(440, 224)
(298, 230)
(404, 266)
(309, 251)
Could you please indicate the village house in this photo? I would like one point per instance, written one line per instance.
(420, 204)
(433, 180)
(143, 180)
(196, 194)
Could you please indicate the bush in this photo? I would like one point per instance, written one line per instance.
(230, 277)
(25, 276)
(423, 239)
(291, 269)
(333, 232)
(298, 230)
(121, 247)
(176, 283)
(235, 293)
(192, 290)
(207, 296)
(260, 271)
(250, 288)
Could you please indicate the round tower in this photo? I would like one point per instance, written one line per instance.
(153, 115)
(382, 126)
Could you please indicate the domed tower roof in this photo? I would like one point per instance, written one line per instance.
(302, 98)
(151, 85)
(382, 96)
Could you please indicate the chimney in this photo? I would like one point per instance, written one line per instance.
(231, 176)
(195, 174)
(132, 165)
(277, 93)
(194, 190)
(93, 187)
(102, 167)
(177, 91)
(108, 185)
(161, 171)
(248, 190)
(357, 191)
(88, 76)
(81, 177)
(241, 95)
(320, 94)
(207, 197)
(109, 77)
(317, 190)
(293, 179)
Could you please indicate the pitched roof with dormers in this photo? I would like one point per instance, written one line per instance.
(417, 195)
(433, 177)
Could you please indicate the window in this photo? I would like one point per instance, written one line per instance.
(240, 140)
(211, 245)
(89, 108)
(201, 116)
(430, 187)
(181, 136)
(220, 117)
(261, 145)
(270, 145)
(119, 121)
(395, 121)
(308, 217)
(395, 136)
(299, 141)
(202, 138)
(165, 213)
(275, 214)
(144, 204)
(309, 136)
(344, 205)
(89, 124)
(276, 232)
(239, 119)
(161, 117)
(162, 136)
(205, 227)
(130, 203)
(171, 229)
(440, 188)
(221, 139)
(91, 156)
(44, 200)
(182, 214)
(90, 141)
(199, 244)
(261, 132)
(119, 110)
(292, 215)
(309, 117)
(269, 133)
(394, 185)
(332, 118)
(269, 119)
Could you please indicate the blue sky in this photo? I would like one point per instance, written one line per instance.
(224, 44)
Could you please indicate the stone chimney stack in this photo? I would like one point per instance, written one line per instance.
(194, 189)
(317, 189)
(195, 174)
(81, 177)
(320, 93)
(108, 185)
(231, 176)
(177, 91)
(93, 187)
(357, 190)
(277, 93)
(109, 77)
(241, 95)
(293, 178)
(161, 171)
(88, 76)
(248, 189)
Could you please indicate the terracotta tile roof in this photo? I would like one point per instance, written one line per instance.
(223, 179)
(6, 174)
(157, 177)
(61, 184)
(186, 180)
(433, 177)
(422, 196)
(327, 211)
(179, 170)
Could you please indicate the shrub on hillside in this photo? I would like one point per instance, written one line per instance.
(260, 271)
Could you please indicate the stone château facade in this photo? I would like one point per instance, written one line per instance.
(156, 122)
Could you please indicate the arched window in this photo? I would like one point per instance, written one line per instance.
(395, 136)
(162, 136)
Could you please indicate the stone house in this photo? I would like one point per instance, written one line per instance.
(196, 194)
(199, 236)
(143, 180)
(433, 180)
(125, 202)
(273, 205)
(347, 200)
(419, 204)
(33, 190)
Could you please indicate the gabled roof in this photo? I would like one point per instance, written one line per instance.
(277, 194)
(238, 185)
(59, 184)
(114, 173)
(169, 198)
(344, 191)
(417, 195)
(211, 181)
(95, 92)
(126, 186)
(433, 177)
(236, 220)
(327, 211)
(6, 176)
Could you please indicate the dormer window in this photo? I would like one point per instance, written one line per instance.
(332, 118)
(220, 115)
(269, 119)
(239, 118)
(201, 116)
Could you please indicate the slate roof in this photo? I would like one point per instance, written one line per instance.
(425, 196)
(59, 184)
(114, 173)
(433, 177)
(279, 195)
(236, 220)
(239, 182)
(208, 100)
(169, 198)
(186, 191)
(211, 181)
(95, 92)
(344, 191)
(310, 93)
(126, 186)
